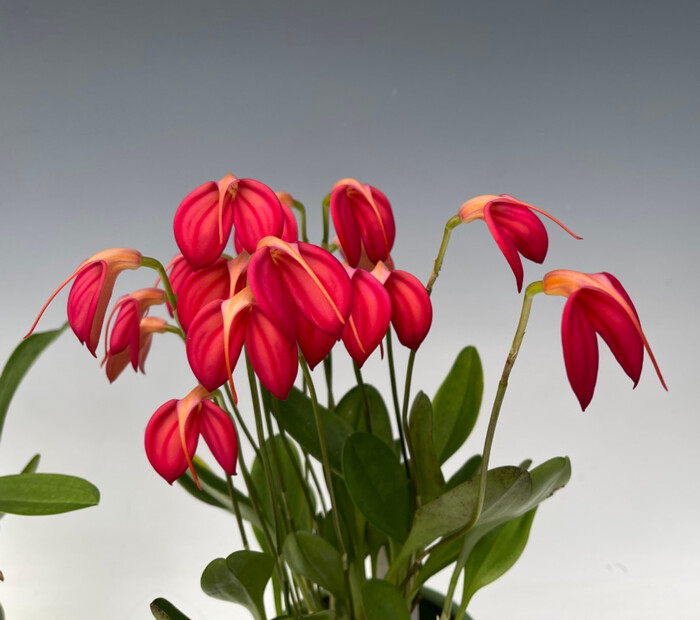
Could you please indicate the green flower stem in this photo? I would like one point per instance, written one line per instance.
(328, 372)
(156, 265)
(241, 422)
(310, 471)
(278, 468)
(404, 411)
(300, 476)
(365, 400)
(175, 330)
(237, 511)
(302, 220)
(325, 210)
(395, 398)
(252, 379)
(451, 224)
(532, 290)
(329, 479)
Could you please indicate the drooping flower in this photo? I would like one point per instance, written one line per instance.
(597, 304)
(363, 220)
(411, 310)
(173, 432)
(514, 226)
(90, 294)
(126, 331)
(204, 219)
(115, 363)
(202, 286)
(369, 318)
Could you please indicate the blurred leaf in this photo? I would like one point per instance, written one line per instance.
(45, 494)
(351, 409)
(456, 403)
(382, 600)
(432, 603)
(240, 578)
(29, 468)
(495, 554)
(466, 472)
(296, 416)
(165, 610)
(21, 360)
(319, 615)
(430, 483)
(316, 559)
(377, 484)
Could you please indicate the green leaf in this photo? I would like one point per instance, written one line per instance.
(505, 487)
(466, 472)
(240, 578)
(319, 615)
(45, 494)
(316, 559)
(496, 553)
(296, 416)
(377, 484)
(382, 600)
(351, 409)
(21, 360)
(293, 491)
(32, 466)
(165, 610)
(456, 403)
(430, 483)
(545, 479)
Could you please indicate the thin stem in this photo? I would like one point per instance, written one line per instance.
(530, 292)
(329, 479)
(155, 264)
(325, 208)
(241, 422)
(237, 511)
(365, 400)
(404, 411)
(328, 371)
(302, 219)
(452, 223)
(314, 479)
(395, 398)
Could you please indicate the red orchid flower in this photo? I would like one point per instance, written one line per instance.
(115, 363)
(129, 310)
(200, 287)
(363, 220)
(216, 338)
(597, 304)
(91, 292)
(514, 227)
(369, 318)
(204, 219)
(411, 310)
(173, 432)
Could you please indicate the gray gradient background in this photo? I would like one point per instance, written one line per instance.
(111, 113)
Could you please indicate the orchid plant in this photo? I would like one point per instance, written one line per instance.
(343, 511)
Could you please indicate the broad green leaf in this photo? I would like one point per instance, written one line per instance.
(430, 483)
(165, 610)
(316, 559)
(377, 484)
(495, 554)
(456, 403)
(296, 416)
(29, 468)
(352, 406)
(281, 462)
(21, 360)
(466, 472)
(546, 479)
(240, 578)
(45, 494)
(382, 600)
(505, 487)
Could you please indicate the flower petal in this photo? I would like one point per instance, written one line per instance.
(257, 213)
(217, 429)
(411, 310)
